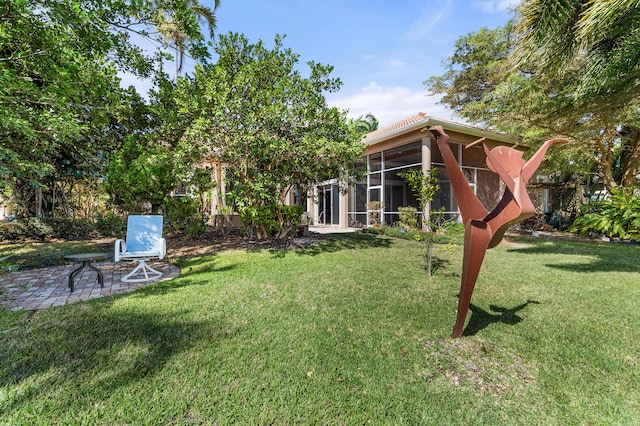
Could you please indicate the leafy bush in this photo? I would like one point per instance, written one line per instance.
(450, 233)
(399, 232)
(7, 266)
(11, 231)
(374, 210)
(183, 214)
(408, 217)
(453, 232)
(260, 221)
(111, 226)
(67, 228)
(375, 231)
(62, 227)
(36, 228)
(617, 217)
(292, 216)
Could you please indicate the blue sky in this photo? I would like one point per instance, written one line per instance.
(381, 50)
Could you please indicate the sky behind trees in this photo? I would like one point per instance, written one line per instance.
(382, 51)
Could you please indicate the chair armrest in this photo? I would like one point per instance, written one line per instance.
(120, 247)
(162, 248)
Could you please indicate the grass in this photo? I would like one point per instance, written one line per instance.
(351, 331)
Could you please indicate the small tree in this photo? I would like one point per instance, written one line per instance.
(424, 186)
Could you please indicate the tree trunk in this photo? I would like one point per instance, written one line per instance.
(606, 159)
(632, 163)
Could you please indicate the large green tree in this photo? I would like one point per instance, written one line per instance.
(597, 39)
(525, 101)
(62, 108)
(271, 126)
(157, 167)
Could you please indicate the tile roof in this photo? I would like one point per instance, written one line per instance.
(415, 121)
(396, 126)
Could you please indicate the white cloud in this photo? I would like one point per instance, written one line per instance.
(495, 6)
(429, 17)
(389, 104)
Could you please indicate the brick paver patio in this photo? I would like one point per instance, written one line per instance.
(46, 287)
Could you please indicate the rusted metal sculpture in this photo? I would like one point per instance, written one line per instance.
(484, 229)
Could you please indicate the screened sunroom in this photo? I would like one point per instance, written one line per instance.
(393, 150)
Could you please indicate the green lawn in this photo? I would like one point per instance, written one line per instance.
(351, 331)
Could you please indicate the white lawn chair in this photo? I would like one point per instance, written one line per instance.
(144, 242)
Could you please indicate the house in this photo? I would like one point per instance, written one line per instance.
(409, 144)
(6, 208)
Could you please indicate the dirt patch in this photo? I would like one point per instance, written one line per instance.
(478, 363)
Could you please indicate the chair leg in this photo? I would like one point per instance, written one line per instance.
(142, 268)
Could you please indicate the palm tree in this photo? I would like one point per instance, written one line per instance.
(365, 124)
(598, 40)
(174, 31)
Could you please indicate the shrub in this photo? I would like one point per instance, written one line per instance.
(375, 231)
(260, 221)
(67, 228)
(7, 266)
(36, 228)
(617, 217)
(453, 232)
(408, 217)
(11, 231)
(111, 226)
(374, 210)
(403, 233)
(183, 214)
(292, 216)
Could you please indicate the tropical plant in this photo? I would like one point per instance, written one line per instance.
(63, 110)
(177, 36)
(365, 123)
(619, 216)
(598, 38)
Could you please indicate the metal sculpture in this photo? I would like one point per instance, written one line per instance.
(484, 229)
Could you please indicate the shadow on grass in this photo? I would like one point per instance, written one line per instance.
(190, 269)
(207, 262)
(35, 255)
(481, 319)
(94, 349)
(337, 242)
(604, 257)
(437, 264)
